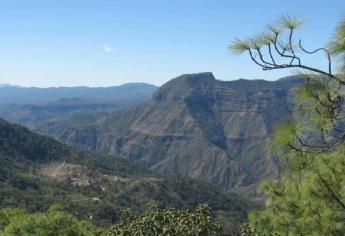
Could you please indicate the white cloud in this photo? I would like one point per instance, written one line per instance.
(108, 49)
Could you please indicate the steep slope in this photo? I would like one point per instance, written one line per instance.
(199, 127)
(36, 172)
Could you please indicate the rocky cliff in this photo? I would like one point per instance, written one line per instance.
(199, 127)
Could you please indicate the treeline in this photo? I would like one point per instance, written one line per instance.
(153, 222)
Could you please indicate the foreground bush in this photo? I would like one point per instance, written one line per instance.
(156, 222)
(51, 223)
(152, 222)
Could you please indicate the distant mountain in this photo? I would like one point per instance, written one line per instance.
(36, 172)
(8, 85)
(56, 108)
(33, 96)
(199, 127)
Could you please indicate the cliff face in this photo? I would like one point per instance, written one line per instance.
(199, 127)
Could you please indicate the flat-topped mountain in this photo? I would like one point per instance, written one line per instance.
(199, 127)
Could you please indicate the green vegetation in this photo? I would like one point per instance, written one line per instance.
(166, 222)
(37, 172)
(309, 198)
(53, 222)
(152, 221)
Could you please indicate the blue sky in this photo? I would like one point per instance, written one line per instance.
(111, 42)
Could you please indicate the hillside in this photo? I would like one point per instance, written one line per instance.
(36, 172)
(199, 127)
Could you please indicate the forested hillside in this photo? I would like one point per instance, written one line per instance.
(37, 172)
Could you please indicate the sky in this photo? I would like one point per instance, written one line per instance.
(111, 42)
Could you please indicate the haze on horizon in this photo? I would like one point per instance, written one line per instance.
(107, 43)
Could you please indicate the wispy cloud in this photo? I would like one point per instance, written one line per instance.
(108, 49)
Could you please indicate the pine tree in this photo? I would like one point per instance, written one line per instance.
(309, 198)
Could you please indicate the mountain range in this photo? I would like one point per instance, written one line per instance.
(33, 95)
(193, 140)
(44, 107)
(195, 126)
